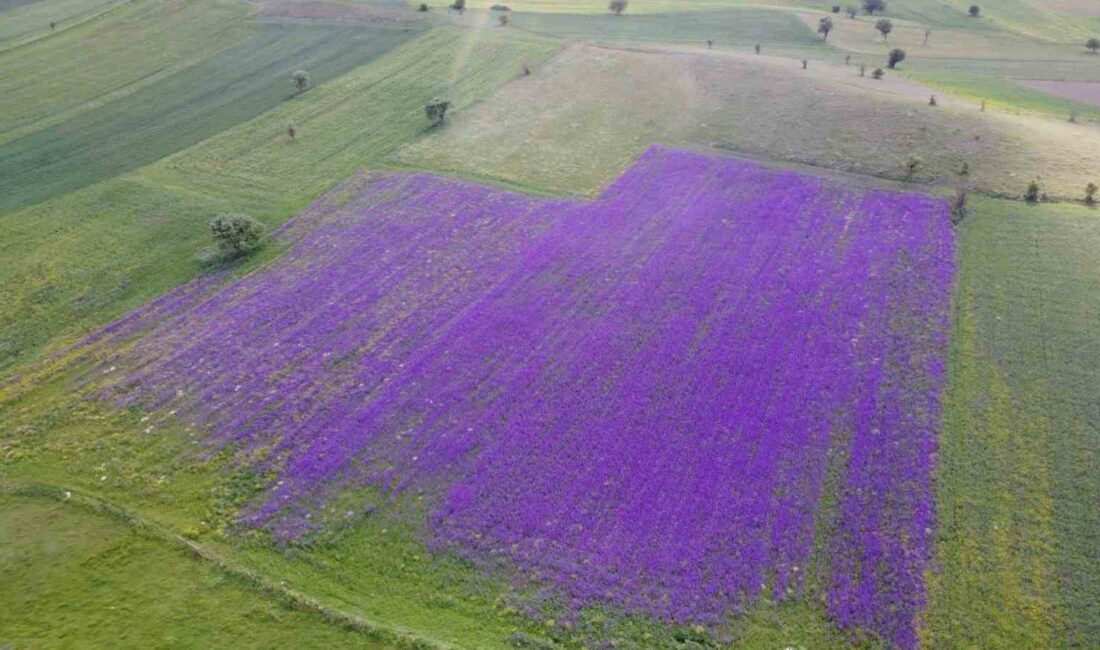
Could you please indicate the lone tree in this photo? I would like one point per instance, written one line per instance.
(301, 81)
(871, 6)
(291, 131)
(1033, 191)
(53, 25)
(852, 11)
(836, 9)
(897, 55)
(436, 111)
(236, 234)
(1093, 44)
(824, 26)
(878, 74)
(962, 192)
(617, 7)
(757, 48)
(1090, 194)
(885, 26)
(423, 6)
(975, 11)
(912, 164)
(459, 6)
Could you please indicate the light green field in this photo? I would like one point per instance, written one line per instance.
(119, 51)
(22, 22)
(1019, 527)
(61, 563)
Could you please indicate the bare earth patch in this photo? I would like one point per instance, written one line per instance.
(1082, 91)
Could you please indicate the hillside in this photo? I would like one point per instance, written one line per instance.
(671, 333)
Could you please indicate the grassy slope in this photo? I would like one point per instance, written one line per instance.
(86, 257)
(111, 55)
(743, 27)
(1019, 473)
(824, 116)
(217, 93)
(73, 578)
(22, 22)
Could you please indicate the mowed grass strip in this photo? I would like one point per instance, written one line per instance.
(1019, 475)
(75, 578)
(229, 88)
(76, 261)
(111, 55)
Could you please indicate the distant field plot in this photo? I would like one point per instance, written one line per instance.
(109, 56)
(78, 578)
(826, 116)
(182, 109)
(1087, 92)
(22, 21)
(1019, 479)
(742, 27)
(78, 260)
(536, 369)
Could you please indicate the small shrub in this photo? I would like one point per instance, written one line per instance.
(291, 131)
(878, 74)
(423, 6)
(847, 59)
(53, 25)
(500, 8)
(1093, 44)
(836, 9)
(824, 26)
(982, 108)
(1090, 194)
(912, 164)
(932, 100)
(975, 11)
(301, 81)
(863, 69)
(1034, 191)
(884, 26)
(524, 70)
(710, 43)
(757, 48)
(805, 63)
(504, 18)
(897, 55)
(1073, 117)
(852, 11)
(871, 6)
(437, 111)
(617, 7)
(236, 233)
(927, 35)
(459, 5)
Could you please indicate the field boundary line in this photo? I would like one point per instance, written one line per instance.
(398, 636)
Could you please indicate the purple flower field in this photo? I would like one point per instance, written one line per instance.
(718, 382)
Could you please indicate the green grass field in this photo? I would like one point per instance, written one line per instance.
(1019, 527)
(187, 107)
(132, 123)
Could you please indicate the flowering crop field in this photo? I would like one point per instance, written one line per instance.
(717, 383)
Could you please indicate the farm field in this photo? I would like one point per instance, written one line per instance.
(743, 104)
(664, 330)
